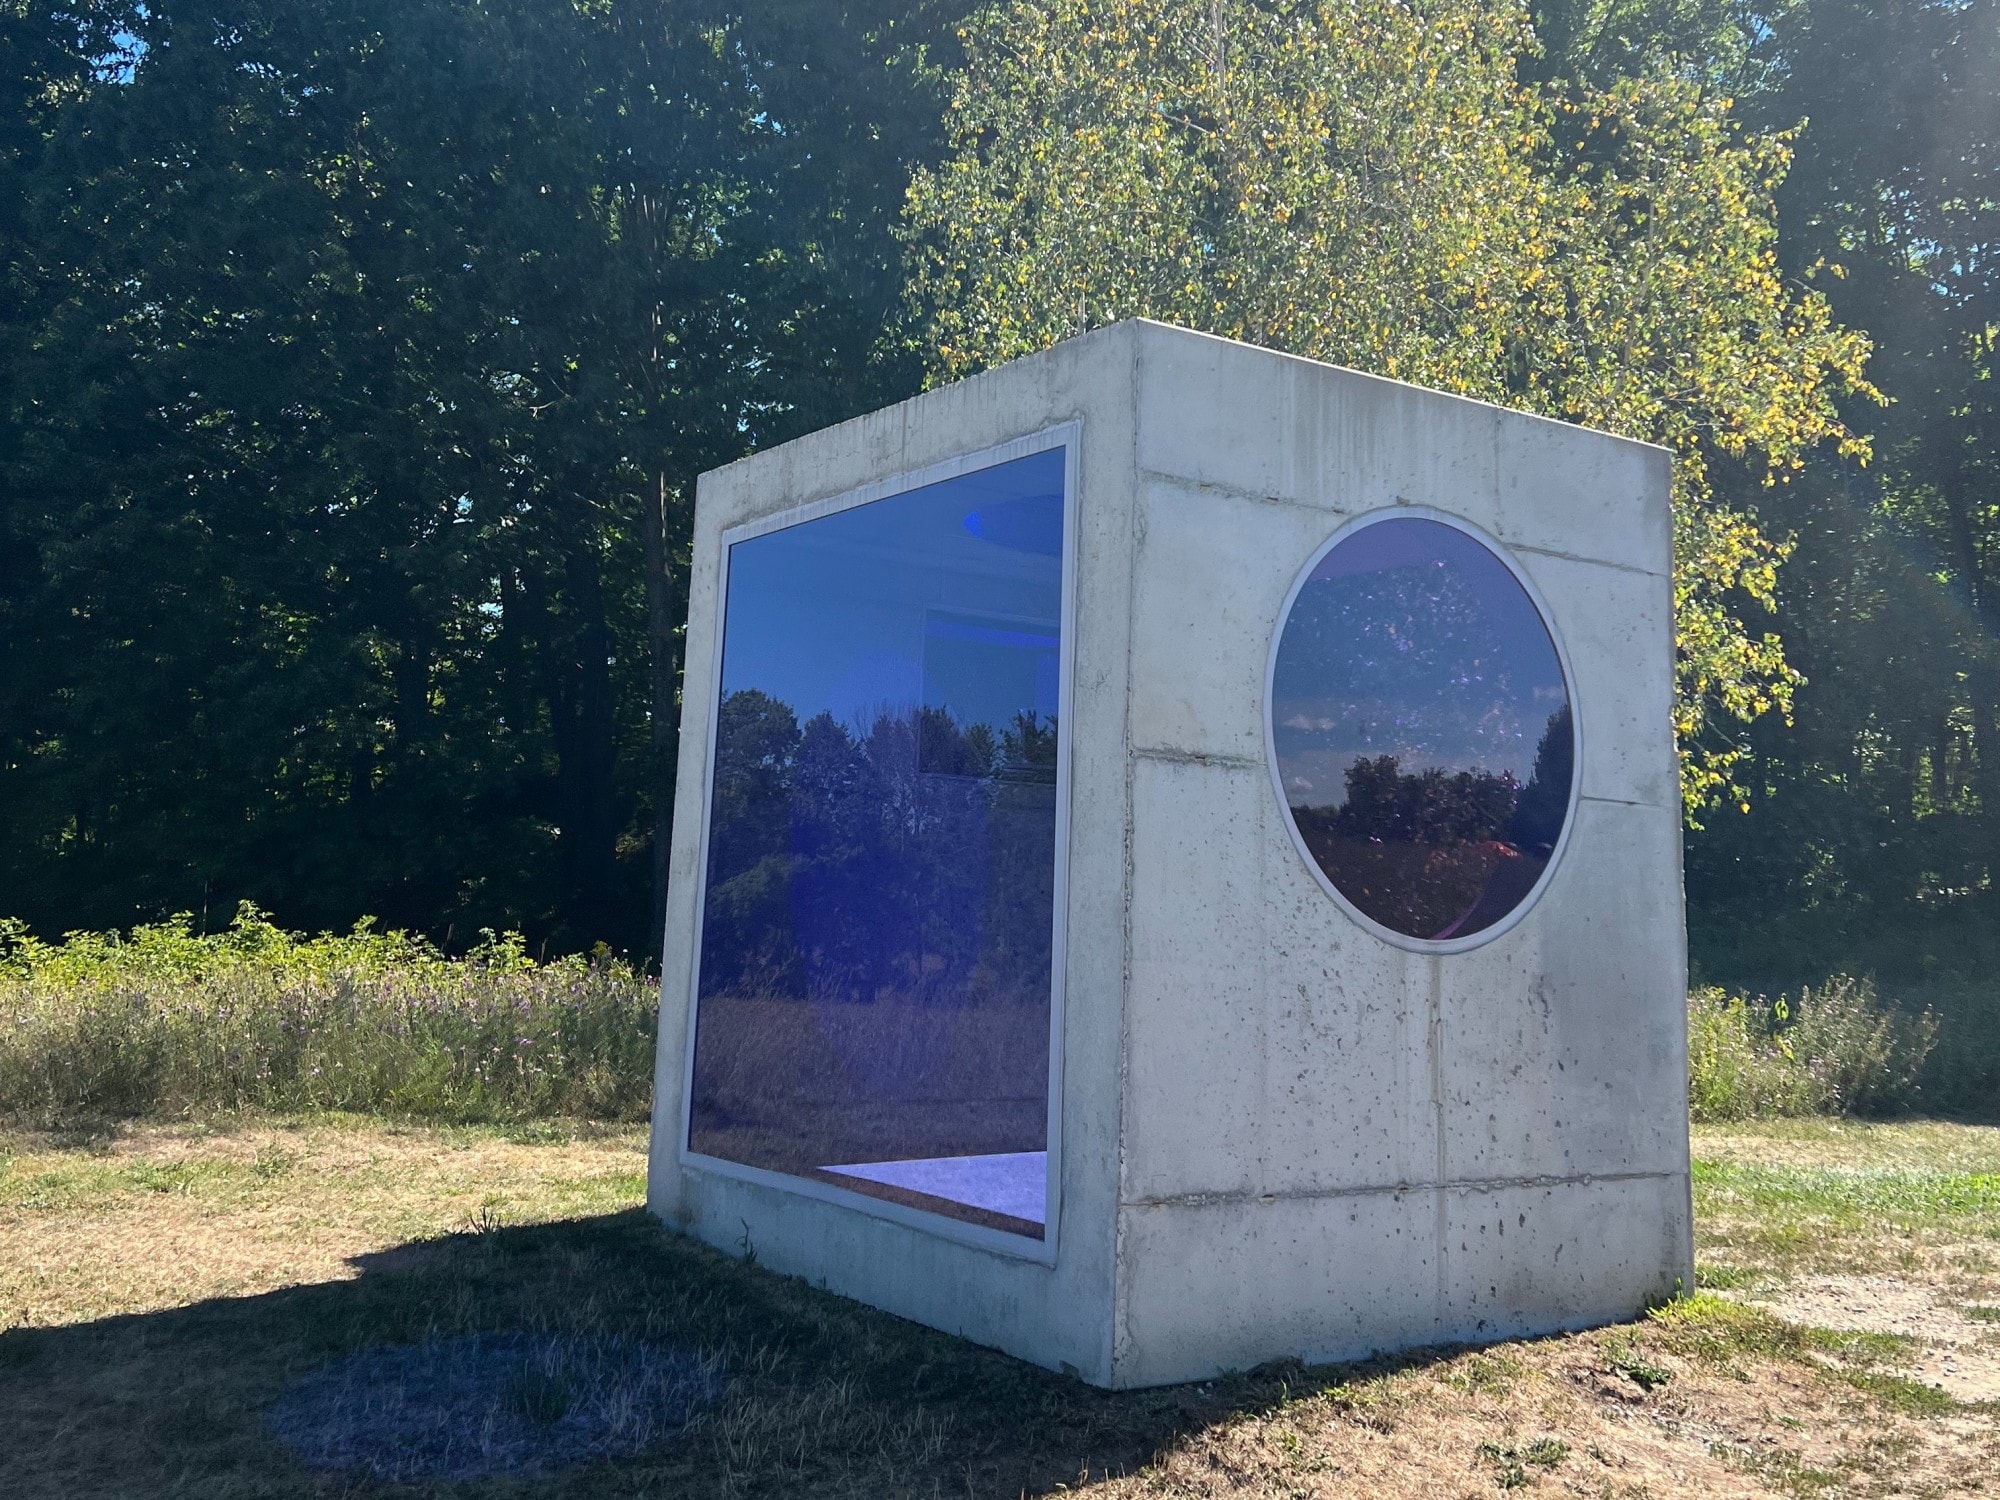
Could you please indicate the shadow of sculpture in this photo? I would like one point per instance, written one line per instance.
(817, 1395)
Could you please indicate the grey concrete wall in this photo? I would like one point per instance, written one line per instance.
(1281, 1135)
(1060, 1315)
(1332, 1144)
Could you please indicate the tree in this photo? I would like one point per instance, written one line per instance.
(1726, 44)
(1899, 183)
(1377, 186)
(365, 352)
(1875, 831)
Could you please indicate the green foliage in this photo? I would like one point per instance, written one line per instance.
(356, 361)
(1726, 43)
(1629, 1360)
(168, 1022)
(1511, 1461)
(1837, 1050)
(1873, 840)
(1377, 186)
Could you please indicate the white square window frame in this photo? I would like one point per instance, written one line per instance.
(1067, 436)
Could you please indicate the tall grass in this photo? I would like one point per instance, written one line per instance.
(168, 1022)
(1835, 1050)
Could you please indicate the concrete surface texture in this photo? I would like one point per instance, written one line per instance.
(1280, 1135)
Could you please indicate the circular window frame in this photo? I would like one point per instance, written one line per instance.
(1360, 918)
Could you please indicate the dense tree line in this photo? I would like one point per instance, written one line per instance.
(1871, 835)
(911, 855)
(357, 356)
(359, 359)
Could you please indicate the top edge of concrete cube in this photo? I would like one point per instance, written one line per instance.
(1268, 426)
(1087, 378)
(1217, 413)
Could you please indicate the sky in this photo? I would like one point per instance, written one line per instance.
(949, 595)
(1410, 639)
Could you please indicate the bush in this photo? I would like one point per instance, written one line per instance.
(168, 1022)
(1838, 1050)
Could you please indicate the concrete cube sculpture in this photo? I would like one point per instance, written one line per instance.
(1176, 864)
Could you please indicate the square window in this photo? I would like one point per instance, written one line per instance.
(877, 954)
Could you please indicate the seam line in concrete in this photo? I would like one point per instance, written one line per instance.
(1199, 487)
(1466, 1185)
(1118, 1336)
(1589, 562)
(1434, 1045)
(1195, 758)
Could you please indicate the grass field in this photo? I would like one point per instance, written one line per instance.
(159, 1286)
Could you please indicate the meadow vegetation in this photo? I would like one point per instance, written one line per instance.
(167, 1022)
(230, 1161)
(1838, 1049)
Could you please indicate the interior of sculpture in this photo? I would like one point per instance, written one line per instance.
(878, 916)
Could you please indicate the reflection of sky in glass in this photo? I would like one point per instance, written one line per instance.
(1410, 639)
(946, 596)
(876, 955)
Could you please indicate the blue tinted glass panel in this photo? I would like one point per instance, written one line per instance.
(1422, 730)
(875, 976)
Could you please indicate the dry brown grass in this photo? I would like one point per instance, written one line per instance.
(1910, 1145)
(158, 1287)
(163, 1216)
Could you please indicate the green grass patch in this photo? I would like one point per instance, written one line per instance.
(1843, 1193)
(1485, 1374)
(1911, 1397)
(1715, 1331)
(1775, 1221)
(1710, 1277)
(1707, 1329)
(1774, 1199)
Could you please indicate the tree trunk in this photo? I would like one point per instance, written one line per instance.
(1983, 682)
(662, 646)
(586, 753)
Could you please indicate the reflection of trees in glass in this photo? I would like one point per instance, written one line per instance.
(910, 855)
(1427, 807)
(876, 943)
(1538, 816)
(1436, 854)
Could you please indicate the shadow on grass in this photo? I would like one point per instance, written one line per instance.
(825, 1397)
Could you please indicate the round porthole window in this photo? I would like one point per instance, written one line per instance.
(1420, 730)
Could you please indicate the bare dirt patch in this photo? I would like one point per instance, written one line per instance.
(1952, 1349)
